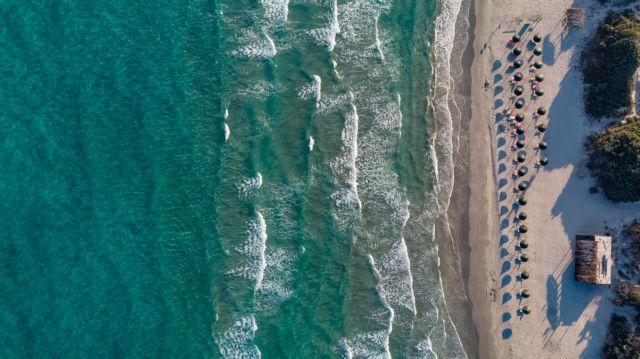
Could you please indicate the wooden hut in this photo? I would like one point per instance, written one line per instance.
(574, 17)
(593, 259)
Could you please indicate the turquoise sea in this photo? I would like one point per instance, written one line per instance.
(234, 179)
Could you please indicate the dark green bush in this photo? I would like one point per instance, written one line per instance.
(622, 342)
(608, 65)
(629, 294)
(614, 158)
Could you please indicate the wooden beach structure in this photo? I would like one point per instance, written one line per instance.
(593, 259)
(574, 17)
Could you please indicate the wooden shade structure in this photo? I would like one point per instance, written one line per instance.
(575, 17)
(593, 259)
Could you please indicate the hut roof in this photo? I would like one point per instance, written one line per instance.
(575, 17)
(593, 259)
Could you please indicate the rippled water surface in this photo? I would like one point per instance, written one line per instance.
(223, 179)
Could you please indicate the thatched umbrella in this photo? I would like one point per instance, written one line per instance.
(522, 171)
(515, 38)
(525, 310)
(537, 51)
(539, 78)
(524, 244)
(524, 275)
(522, 201)
(543, 145)
(522, 156)
(537, 65)
(517, 64)
(522, 216)
(517, 51)
(519, 117)
(539, 92)
(523, 229)
(544, 161)
(518, 90)
(518, 76)
(523, 186)
(520, 131)
(541, 111)
(537, 38)
(519, 103)
(525, 293)
(542, 127)
(520, 144)
(524, 258)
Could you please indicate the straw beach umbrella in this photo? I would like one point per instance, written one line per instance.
(522, 156)
(544, 161)
(525, 293)
(543, 145)
(537, 38)
(523, 186)
(539, 92)
(520, 131)
(519, 103)
(524, 244)
(537, 65)
(515, 38)
(517, 64)
(520, 144)
(525, 310)
(517, 51)
(537, 51)
(524, 275)
(518, 90)
(524, 258)
(523, 171)
(542, 127)
(522, 201)
(541, 111)
(518, 76)
(523, 229)
(522, 216)
(539, 78)
(519, 117)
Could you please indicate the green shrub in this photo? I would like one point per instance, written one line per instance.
(614, 158)
(608, 65)
(621, 342)
(629, 294)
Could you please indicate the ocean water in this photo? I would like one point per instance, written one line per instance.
(234, 179)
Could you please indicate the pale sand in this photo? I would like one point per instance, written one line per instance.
(569, 319)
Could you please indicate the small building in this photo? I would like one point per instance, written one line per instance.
(593, 259)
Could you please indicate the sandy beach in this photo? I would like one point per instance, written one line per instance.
(569, 319)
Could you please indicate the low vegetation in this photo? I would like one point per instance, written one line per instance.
(622, 342)
(614, 158)
(608, 65)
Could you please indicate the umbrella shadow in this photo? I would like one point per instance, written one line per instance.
(506, 279)
(506, 266)
(548, 51)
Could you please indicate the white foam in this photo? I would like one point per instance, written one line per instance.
(397, 280)
(254, 250)
(226, 113)
(276, 10)
(378, 43)
(445, 32)
(346, 198)
(237, 341)
(312, 90)
(278, 280)
(256, 46)
(326, 36)
(227, 132)
(249, 187)
(311, 143)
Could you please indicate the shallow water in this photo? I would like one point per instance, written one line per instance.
(222, 179)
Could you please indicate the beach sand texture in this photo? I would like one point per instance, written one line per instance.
(569, 319)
